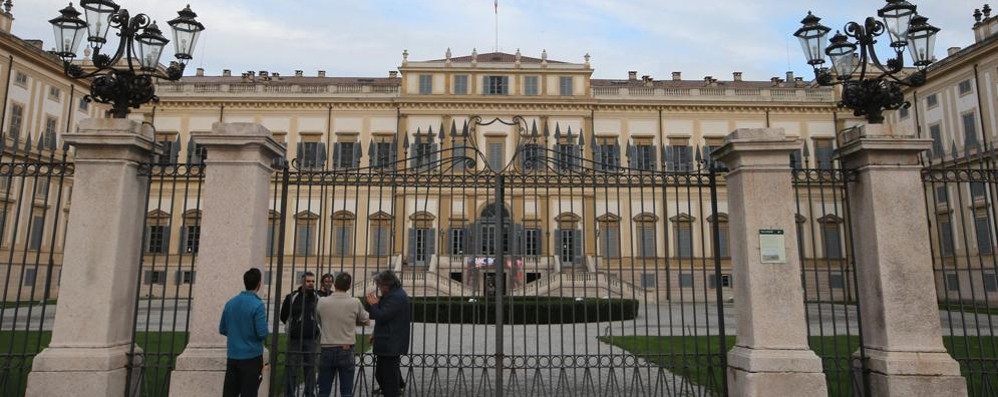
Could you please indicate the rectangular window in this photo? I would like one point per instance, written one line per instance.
(37, 227)
(380, 240)
(192, 239)
(646, 240)
(157, 239)
(965, 87)
(983, 231)
(969, 130)
(187, 277)
(568, 156)
(797, 160)
(424, 153)
(84, 104)
(610, 241)
(532, 158)
(21, 79)
(384, 154)
(678, 158)
(195, 153)
(41, 189)
(497, 156)
(832, 240)
(303, 240)
(16, 120)
(567, 246)
(55, 93)
(942, 195)
(169, 150)
(457, 241)
(497, 85)
(645, 157)
(836, 281)
(29, 277)
(947, 247)
(931, 101)
(461, 84)
(154, 277)
(421, 238)
(425, 84)
(990, 282)
(532, 242)
(978, 190)
(723, 242)
(343, 240)
(345, 155)
(725, 280)
(937, 141)
(685, 281)
(953, 282)
(823, 152)
(312, 155)
(565, 86)
(530, 86)
(684, 239)
(48, 138)
(649, 280)
(607, 156)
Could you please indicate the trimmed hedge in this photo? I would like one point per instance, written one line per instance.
(522, 310)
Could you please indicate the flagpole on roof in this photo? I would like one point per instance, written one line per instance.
(496, 7)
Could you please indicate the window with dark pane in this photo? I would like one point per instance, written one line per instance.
(461, 84)
(823, 153)
(497, 85)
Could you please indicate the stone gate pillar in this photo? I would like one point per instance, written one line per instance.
(901, 327)
(92, 334)
(771, 356)
(233, 239)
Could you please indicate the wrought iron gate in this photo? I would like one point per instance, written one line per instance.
(557, 271)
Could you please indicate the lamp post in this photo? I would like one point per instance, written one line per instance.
(123, 79)
(870, 86)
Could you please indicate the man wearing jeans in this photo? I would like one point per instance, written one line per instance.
(339, 314)
(298, 312)
(244, 323)
(392, 316)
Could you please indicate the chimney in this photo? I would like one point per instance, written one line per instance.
(632, 75)
(738, 76)
(790, 76)
(263, 73)
(277, 76)
(322, 73)
(226, 73)
(776, 81)
(677, 76)
(199, 72)
(646, 78)
(299, 73)
(250, 73)
(952, 50)
(393, 74)
(984, 27)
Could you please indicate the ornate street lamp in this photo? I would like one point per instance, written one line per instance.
(870, 86)
(124, 79)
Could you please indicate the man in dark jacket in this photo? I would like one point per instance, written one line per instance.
(392, 315)
(298, 314)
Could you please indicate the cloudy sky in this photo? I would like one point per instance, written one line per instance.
(366, 37)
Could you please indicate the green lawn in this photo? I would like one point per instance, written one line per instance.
(159, 348)
(685, 356)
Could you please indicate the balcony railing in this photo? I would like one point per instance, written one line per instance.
(718, 93)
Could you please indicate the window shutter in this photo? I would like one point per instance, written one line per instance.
(449, 242)
(177, 277)
(356, 155)
(431, 243)
(433, 154)
(505, 85)
(300, 153)
(517, 241)
(723, 241)
(577, 247)
(648, 241)
(667, 158)
(337, 155)
(320, 154)
(601, 163)
(495, 156)
(166, 238)
(412, 246)
(557, 244)
(147, 277)
(653, 158)
(183, 239)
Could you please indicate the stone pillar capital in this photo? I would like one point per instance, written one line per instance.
(239, 143)
(757, 147)
(869, 145)
(112, 139)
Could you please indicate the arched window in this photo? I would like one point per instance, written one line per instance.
(381, 234)
(831, 236)
(683, 230)
(343, 233)
(609, 236)
(723, 241)
(422, 239)
(157, 232)
(190, 232)
(568, 239)
(305, 230)
(644, 227)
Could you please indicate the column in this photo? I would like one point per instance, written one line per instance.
(901, 327)
(771, 356)
(92, 334)
(233, 239)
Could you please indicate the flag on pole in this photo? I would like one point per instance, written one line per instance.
(497, 6)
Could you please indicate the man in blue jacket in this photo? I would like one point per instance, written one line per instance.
(392, 315)
(244, 323)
